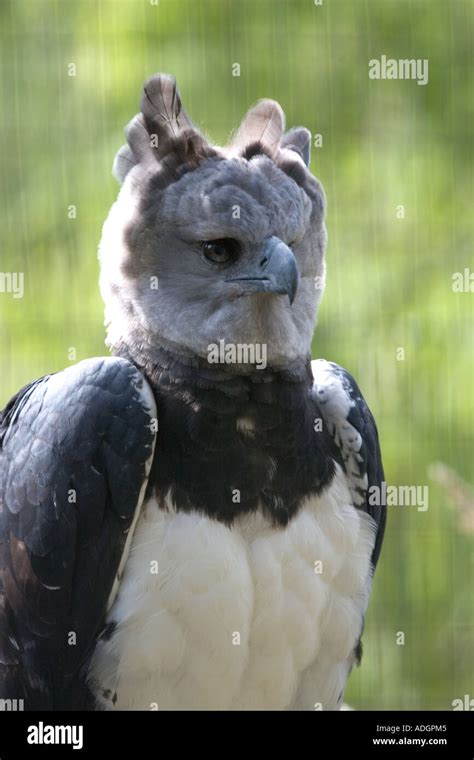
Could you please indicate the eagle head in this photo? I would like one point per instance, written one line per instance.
(207, 243)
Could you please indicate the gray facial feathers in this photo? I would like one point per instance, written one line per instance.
(298, 139)
(178, 193)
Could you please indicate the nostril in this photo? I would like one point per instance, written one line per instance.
(264, 261)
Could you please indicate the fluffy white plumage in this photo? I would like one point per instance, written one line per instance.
(240, 618)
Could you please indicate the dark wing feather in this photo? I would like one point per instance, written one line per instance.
(74, 456)
(353, 428)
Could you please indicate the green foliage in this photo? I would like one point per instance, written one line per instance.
(386, 144)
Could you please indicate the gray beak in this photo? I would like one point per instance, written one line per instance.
(274, 272)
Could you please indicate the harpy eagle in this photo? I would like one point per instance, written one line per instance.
(178, 533)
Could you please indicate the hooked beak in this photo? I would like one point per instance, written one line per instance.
(275, 271)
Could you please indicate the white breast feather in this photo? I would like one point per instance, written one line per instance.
(239, 618)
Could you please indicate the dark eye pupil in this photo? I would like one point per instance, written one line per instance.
(216, 250)
(220, 251)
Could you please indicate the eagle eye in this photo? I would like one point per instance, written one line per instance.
(221, 251)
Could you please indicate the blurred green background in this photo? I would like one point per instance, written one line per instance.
(385, 144)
